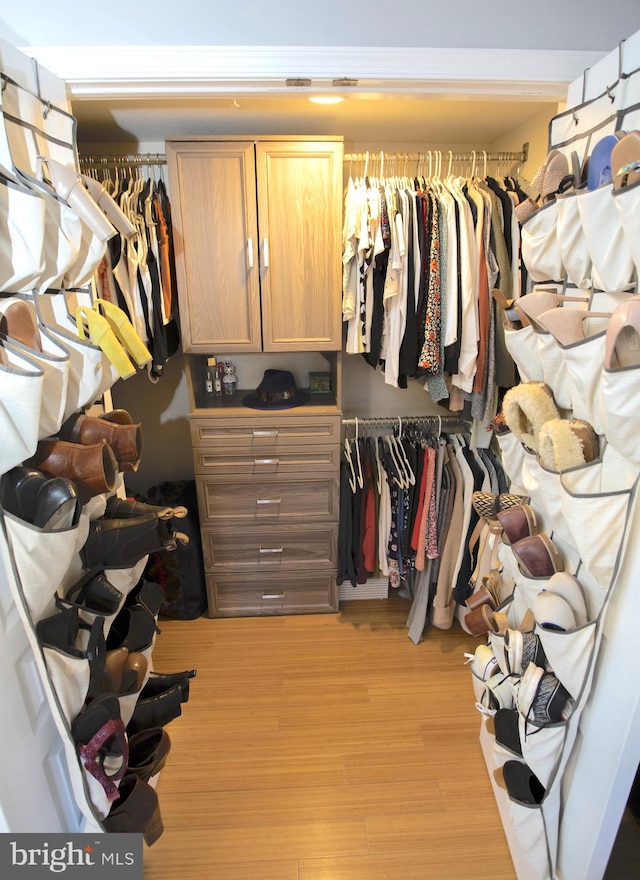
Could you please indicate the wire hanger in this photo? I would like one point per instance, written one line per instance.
(357, 445)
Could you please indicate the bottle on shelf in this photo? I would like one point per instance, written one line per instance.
(217, 379)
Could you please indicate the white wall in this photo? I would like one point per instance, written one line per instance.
(547, 24)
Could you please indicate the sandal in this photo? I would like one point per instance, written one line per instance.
(517, 523)
(99, 735)
(625, 160)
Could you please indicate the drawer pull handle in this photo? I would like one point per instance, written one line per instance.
(273, 595)
(250, 252)
(271, 549)
(266, 461)
(268, 500)
(271, 433)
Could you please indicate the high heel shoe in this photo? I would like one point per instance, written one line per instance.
(124, 440)
(97, 329)
(568, 325)
(514, 318)
(124, 672)
(622, 347)
(93, 469)
(125, 331)
(18, 320)
(136, 810)
(98, 733)
(109, 206)
(133, 629)
(68, 184)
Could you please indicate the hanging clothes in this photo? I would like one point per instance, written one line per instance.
(421, 256)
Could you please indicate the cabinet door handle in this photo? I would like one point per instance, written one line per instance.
(273, 433)
(268, 500)
(250, 252)
(265, 253)
(266, 461)
(273, 595)
(271, 550)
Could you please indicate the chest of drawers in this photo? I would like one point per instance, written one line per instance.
(268, 498)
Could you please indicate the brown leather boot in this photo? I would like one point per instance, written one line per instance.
(124, 437)
(93, 469)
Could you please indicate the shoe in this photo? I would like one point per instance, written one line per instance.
(121, 543)
(622, 346)
(488, 505)
(65, 631)
(136, 810)
(124, 508)
(539, 302)
(537, 557)
(526, 408)
(68, 185)
(625, 160)
(483, 662)
(553, 612)
(133, 628)
(520, 783)
(129, 337)
(94, 593)
(99, 735)
(49, 503)
(156, 711)
(599, 171)
(124, 440)
(159, 682)
(499, 693)
(97, 330)
(146, 594)
(486, 595)
(541, 698)
(148, 751)
(19, 321)
(124, 672)
(93, 469)
(109, 207)
(567, 443)
(505, 730)
(567, 326)
(522, 648)
(566, 585)
(517, 523)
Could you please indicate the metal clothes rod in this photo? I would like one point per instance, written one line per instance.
(135, 159)
(446, 155)
(396, 420)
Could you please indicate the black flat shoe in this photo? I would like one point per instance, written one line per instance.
(156, 711)
(133, 628)
(159, 682)
(147, 594)
(94, 593)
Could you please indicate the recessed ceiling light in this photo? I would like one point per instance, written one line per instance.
(327, 99)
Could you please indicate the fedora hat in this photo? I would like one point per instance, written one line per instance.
(276, 391)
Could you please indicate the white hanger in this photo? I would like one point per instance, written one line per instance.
(359, 474)
(349, 460)
(407, 467)
(401, 476)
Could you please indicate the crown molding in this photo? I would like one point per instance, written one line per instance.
(129, 72)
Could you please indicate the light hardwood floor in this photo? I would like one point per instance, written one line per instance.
(324, 747)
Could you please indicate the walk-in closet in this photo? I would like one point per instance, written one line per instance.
(318, 484)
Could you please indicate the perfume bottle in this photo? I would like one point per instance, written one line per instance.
(229, 380)
(212, 365)
(217, 379)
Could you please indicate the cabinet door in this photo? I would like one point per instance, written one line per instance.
(215, 235)
(299, 214)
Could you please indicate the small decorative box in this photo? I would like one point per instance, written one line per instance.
(320, 383)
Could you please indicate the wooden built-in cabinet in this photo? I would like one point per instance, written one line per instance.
(258, 248)
(257, 228)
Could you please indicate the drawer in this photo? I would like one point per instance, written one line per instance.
(229, 460)
(254, 499)
(300, 546)
(258, 433)
(259, 595)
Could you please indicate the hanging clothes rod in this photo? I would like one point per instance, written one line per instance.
(447, 156)
(134, 159)
(445, 421)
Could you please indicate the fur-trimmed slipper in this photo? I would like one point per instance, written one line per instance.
(526, 408)
(567, 443)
